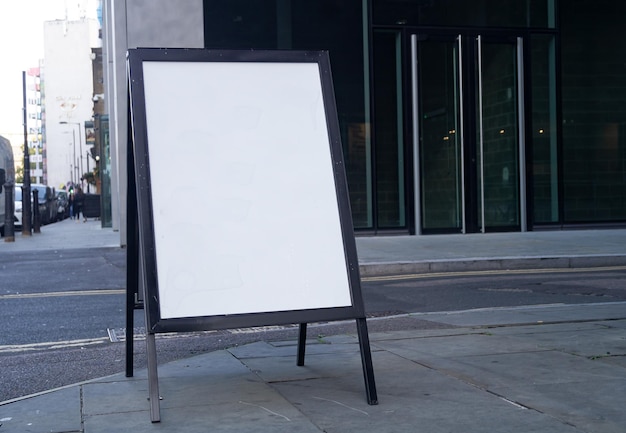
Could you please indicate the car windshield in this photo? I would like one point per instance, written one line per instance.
(41, 192)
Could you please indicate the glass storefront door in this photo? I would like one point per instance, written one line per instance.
(467, 117)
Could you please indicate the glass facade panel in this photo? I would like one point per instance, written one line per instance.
(440, 136)
(104, 166)
(463, 13)
(594, 113)
(575, 128)
(498, 142)
(388, 131)
(545, 168)
(333, 25)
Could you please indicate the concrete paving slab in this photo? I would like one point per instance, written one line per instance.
(539, 244)
(208, 389)
(533, 380)
(592, 406)
(486, 317)
(427, 333)
(116, 395)
(221, 361)
(231, 417)
(455, 346)
(55, 412)
(551, 329)
(316, 366)
(590, 344)
(615, 323)
(615, 361)
(513, 369)
(282, 349)
(412, 398)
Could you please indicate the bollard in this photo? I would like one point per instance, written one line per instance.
(36, 217)
(9, 201)
(27, 215)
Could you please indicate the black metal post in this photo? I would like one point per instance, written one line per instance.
(36, 216)
(132, 253)
(80, 145)
(9, 205)
(26, 208)
(366, 360)
(87, 158)
(301, 345)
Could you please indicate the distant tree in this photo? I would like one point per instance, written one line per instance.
(90, 178)
(19, 174)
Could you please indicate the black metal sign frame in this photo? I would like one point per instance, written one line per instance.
(143, 274)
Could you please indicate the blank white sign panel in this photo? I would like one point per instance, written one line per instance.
(245, 210)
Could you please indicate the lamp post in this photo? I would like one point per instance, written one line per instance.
(80, 145)
(71, 161)
(26, 193)
(73, 164)
(87, 159)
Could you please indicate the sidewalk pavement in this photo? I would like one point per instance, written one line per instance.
(389, 255)
(551, 368)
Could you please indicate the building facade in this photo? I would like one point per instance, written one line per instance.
(457, 116)
(69, 93)
(34, 124)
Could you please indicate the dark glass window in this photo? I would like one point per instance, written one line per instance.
(388, 131)
(544, 130)
(332, 25)
(594, 113)
(476, 13)
(240, 24)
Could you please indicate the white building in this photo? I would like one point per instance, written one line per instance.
(68, 93)
(34, 124)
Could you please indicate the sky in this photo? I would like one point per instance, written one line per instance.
(21, 47)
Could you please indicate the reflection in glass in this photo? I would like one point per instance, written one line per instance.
(440, 138)
(500, 165)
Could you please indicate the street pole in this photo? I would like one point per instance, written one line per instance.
(9, 205)
(26, 208)
(74, 141)
(78, 161)
(80, 147)
(87, 159)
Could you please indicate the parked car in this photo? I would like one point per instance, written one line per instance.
(47, 200)
(18, 207)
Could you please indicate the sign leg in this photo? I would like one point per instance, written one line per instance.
(301, 344)
(366, 360)
(130, 310)
(153, 378)
(132, 254)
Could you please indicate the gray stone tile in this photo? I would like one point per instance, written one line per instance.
(315, 366)
(536, 368)
(268, 416)
(55, 412)
(595, 406)
(456, 346)
(129, 395)
(590, 343)
(411, 398)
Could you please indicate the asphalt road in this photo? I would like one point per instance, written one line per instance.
(59, 310)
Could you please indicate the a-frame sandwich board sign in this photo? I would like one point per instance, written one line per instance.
(242, 209)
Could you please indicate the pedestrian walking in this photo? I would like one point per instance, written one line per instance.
(70, 203)
(79, 201)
